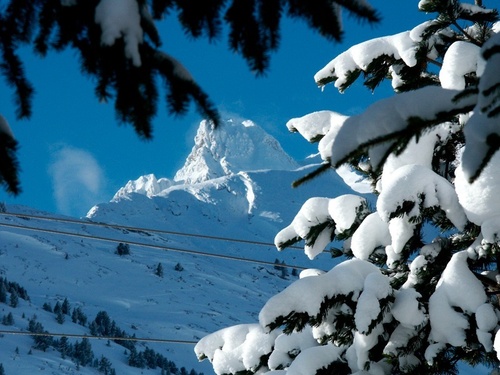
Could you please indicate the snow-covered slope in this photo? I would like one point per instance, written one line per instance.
(224, 192)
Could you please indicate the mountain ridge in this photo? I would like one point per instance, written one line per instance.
(236, 145)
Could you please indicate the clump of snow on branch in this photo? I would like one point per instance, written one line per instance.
(377, 287)
(314, 213)
(329, 216)
(480, 198)
(236, 348)
(458, 287)
(323, 126)
(400, 46)
(406, 308)
(390, 117)
(121, 18)
(343, 279)
(421, 188)
(314, 126)
(486, 320)
(460, 59)
(287, 347)
(313, 359)
(372, 233)
(417, 152)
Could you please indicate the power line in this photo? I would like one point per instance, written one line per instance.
(83, 336)
(141, 244)
(139, 229)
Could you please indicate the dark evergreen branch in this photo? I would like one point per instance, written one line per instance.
(46, 22)
(294, 321)
(378, 70)
(316, 230)
(351, 77)
(160, 8)
(308, 177)
(12, 69)
(201, 17)
(320, 15)
(182, 87)
(270, 13)
(288, 243)
(19, 19)
(482, 17)
(245, 36)
(148, 26)
(9, 165)
(493, 144)
(467, 35)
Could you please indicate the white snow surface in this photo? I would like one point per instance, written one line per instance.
(388, 117)
(458, 287)
(480, 198)
(349, 276)
(286, 347)
(236, 348)
(315, 125)
(340, 212)
(343, 210)
(121, 18)
(313, 359)
(487, 321)
(460, 59)
(148, 185)
(377, 287)
(406, 309)
(400, 46)
(372, 233)
(425, 189)
(312, 213)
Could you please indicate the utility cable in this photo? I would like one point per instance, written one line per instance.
(139, 229)
(158, 247)
(83, 336)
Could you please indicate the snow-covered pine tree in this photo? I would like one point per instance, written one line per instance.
(118, 45)
(418, 289)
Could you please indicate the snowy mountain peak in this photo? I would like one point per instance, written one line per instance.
(237, 145)
(147, 185)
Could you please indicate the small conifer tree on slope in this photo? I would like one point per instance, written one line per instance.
(417, 290)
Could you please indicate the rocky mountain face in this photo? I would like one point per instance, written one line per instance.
(237, 145)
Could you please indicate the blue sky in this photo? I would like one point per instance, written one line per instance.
(73, 153)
